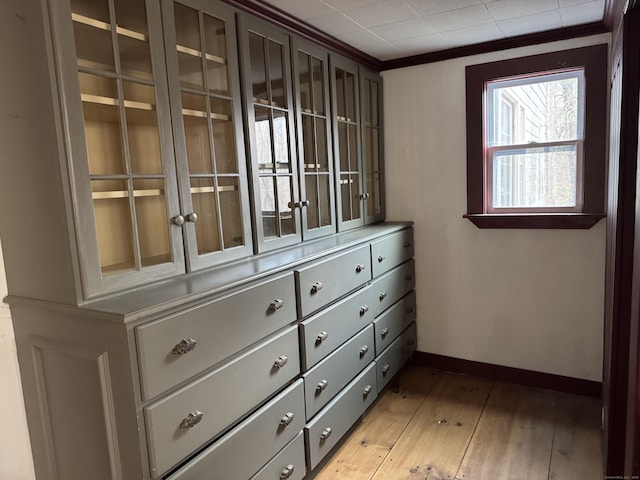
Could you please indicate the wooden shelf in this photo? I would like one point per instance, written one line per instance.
(76, 17)
(225, 188)
(346, 181)
(113, 194)
(198, 53)
(115, 102)
(198, 113)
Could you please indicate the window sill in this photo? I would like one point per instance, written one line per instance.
(533, 220)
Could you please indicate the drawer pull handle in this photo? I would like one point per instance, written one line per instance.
(316, 287)
(287, 419)
(407, 244)
(381, 257)
(281, 361)
(410, 342)
(277, 304)
(360, 267)
(364, 350)
(409, 309)
(322, 336)
(382, 296)
(364, 309)
(322, 384)
(184, 347)
(366, 391)
(326, 433)
(192, 419)
(384, 333)
(408, 277)
(386, 369)
(287, 472)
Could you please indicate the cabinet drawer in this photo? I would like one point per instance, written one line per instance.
(330, 376)
(327, 330)
(391, 251)
(394, 320)
(219, 329)
(396, 355)
(246, 448)
(325, 281)
(394, 285)
(336, 419)
(223, 396)
(289, 464)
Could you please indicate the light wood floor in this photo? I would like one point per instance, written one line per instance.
(432, 425)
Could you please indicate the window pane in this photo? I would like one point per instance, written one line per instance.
(231, 212)
(276, 74)
(305, 82)
(535, 177)
(318, 85)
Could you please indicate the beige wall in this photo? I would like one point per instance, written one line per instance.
(531, 299)
(15, 452)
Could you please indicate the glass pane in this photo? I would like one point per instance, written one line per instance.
(276, 74)
(535, 177)
(351, 97)
(258, 69)
(375, 150)
(135, 58)
(355, 196)
(142, 128)
(324, 199)
(223, 136)
(340, 100)
(94, 9)
(94, 47)
(353, 148)
(546, 108)
(308, 147)
(311, 188)
(230, 208)
(111, 207)
(263, 140)
(188, 46)
(375, 99)
(285, 197)
(367, 153)
(366, 102)
(305, 82)
(152, 220)
(322, 158)
(281, 142)
(343, 146)
(216, 55)
(196, 130)
(268, 204)
(318, 86)
(374, 201)
(190, 68)
(132, 15)
(203, 198)
(345, 193)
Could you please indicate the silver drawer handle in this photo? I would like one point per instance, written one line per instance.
(326, 433)
(382, 295)
(360, 267)
(381, 257)
(384, 333)
(277, 304)
(386, 369)
(366, 391)
(281, 361)
(409, 309)
(322, 336)
(410, 342)
(184, 347)
(192, 419)
(364, 309)
(287, 419)
(322, 384)
(287, 472)
(407, 244)
(408, 277)
(316, 287)
(364, 350)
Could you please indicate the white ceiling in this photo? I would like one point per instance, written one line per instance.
(388, 29)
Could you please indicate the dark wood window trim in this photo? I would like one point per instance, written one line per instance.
(594, 61)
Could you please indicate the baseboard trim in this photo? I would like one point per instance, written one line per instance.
(529, 378)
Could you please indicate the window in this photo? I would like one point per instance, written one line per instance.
(536, 140)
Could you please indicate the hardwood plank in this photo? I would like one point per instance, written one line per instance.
(577, 442)
(514, 437)
(434, 442)
(361, 454)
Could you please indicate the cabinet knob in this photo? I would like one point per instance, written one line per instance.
(408, 277)
(322, 336)
(366, 391)
(192, 419)
(360, 267)
(277, 304)
(287, 419)
(287, 472)
(384, 333)
(305, 203)
(364, 196)
(407, 244)
(316, 287)
(322, 384)
(382, 295)
(386, 369)
(409, 310)
(191, 217)
(364, 350)
(326, 433)
(184, 347)
(364, 309)
(178, 220)
(381, 257)
(281, 361)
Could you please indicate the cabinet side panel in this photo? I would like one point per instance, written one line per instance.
(34, 217)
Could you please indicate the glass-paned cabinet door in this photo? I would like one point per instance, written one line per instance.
(270, 124)
(346, 132)
(315, 160)
(116, 112)
(372, 147)
(204, 83)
